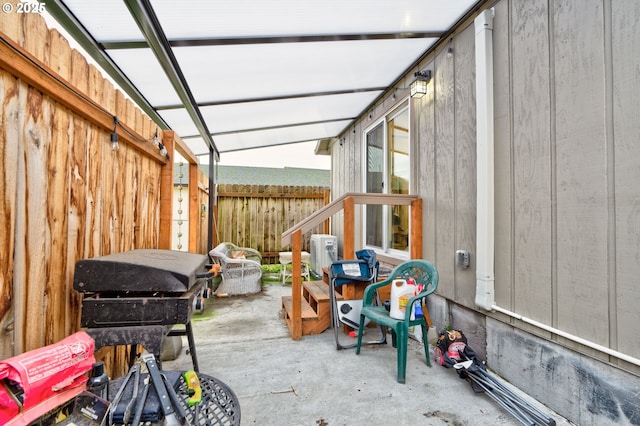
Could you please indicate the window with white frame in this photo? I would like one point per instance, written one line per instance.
(387, 171)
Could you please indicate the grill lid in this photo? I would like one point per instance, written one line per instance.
(139, 271)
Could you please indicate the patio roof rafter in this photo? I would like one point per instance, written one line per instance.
(142, 12)
(281, 126)
(80, 34)
(231, 41)
(276, 98)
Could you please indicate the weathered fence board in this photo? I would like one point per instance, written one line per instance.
(256, 215)
(65, 194)
(8, 189)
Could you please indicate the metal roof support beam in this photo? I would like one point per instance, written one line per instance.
(142, 12)
(281, 126)
(233, 41)
(278, 98)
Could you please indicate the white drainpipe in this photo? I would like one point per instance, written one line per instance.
(485, 297)
(592, 345)
(485, 248)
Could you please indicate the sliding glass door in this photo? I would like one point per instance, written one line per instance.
(387, 172)
(375, 184)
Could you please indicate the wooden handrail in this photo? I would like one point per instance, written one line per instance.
(347, 201)
(319, 216)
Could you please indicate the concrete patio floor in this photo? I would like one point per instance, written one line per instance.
(244, 342)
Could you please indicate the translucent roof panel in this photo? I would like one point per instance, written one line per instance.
(239, 74)
(241, 18)
(145, 72)
(106, 20)
(256, 139)
(255, 115)
(249, 71)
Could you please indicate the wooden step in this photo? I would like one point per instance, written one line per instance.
(316, 308)
(316, 293)
(311, 323)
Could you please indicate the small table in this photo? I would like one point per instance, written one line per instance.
(286, 257)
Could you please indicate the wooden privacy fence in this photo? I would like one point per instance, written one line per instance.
(256, 215)
(65, 194)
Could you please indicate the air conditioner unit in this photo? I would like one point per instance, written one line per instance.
(324, 250)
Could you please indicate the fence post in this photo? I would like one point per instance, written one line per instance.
(327, 199)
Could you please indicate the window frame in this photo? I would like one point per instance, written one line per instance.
(402, 106)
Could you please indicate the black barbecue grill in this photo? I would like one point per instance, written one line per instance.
(135, 297)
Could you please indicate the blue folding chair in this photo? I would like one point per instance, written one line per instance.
(364, 270)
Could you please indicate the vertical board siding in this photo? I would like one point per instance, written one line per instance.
(581, 169)
(444, 171)
(567, 127)
(423, 136)
(65, 194)
(256, 215)
(531, 159)
(626, 154)
(567, 165)
(464, 164)
(503, 182)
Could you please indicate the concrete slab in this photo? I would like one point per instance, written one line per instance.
(244, 342)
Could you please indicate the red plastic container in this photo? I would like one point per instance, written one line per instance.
(38, 381)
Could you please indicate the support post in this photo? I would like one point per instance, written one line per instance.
(415, 236)
(194, 209)
(166, 193)
(349, 224)
(296, 285)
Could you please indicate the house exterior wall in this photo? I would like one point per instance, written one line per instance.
(567, 207)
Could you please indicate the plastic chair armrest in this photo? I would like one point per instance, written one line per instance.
(369, 291)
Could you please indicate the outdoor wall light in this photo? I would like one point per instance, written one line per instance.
(155, 141)
(419, 85)
(114, 135)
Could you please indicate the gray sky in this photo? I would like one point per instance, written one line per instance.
(293, 155)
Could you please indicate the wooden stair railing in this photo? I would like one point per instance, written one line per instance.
(347, 203)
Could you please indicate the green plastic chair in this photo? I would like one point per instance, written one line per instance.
(424, 273)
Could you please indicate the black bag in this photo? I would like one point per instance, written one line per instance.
(450, 347)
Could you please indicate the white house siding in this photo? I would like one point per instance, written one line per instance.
(567, 200)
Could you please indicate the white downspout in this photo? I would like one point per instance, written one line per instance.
(485, 248)
(485, 292)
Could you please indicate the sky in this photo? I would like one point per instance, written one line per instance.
(293, 155)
